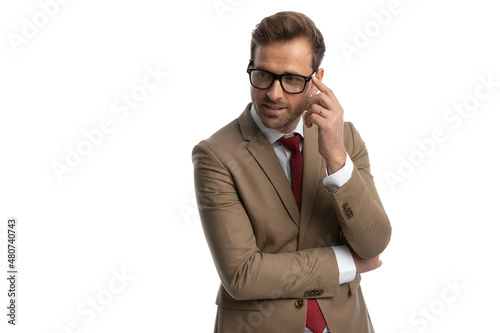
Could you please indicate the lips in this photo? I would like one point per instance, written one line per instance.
(274, 109)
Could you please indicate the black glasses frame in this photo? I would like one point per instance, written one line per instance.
(278, 77)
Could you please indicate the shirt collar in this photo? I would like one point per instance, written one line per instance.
(271, 134)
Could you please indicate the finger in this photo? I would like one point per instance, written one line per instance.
(316, 110)
(315, 113)
(323, 88)
(320, 85)
(313, 118)
(319, 99)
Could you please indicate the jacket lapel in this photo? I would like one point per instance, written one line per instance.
(263, 153)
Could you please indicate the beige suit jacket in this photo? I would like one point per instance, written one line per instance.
(270, 257)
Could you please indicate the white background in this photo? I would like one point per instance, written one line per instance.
(129, 204)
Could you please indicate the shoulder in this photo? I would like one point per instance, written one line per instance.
(226, 141)
(231, 137)
(355, 146)
(223, 139)
(352, 138)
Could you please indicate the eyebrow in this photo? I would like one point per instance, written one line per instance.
(285, 73)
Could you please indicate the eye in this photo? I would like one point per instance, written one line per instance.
(263, 75)
(293, 79)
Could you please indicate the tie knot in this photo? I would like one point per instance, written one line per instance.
(291, 143)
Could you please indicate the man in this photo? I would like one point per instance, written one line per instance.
(286, 199)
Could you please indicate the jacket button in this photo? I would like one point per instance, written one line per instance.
(347, 210)
(320, 292)
(315, 293)
(299, 303)
(307, 294)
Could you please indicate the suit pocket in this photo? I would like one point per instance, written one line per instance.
(224, 300)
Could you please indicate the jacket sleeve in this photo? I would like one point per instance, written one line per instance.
(245, 272)
(361, 215)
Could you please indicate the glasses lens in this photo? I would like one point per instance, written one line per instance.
(261, 79)
(293, 83)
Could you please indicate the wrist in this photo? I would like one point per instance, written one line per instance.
(336, 163)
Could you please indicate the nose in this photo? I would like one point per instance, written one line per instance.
(275, 92)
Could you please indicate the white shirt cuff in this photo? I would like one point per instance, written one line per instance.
(347, 267)
(336, 180)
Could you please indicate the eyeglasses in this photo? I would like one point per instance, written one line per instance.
(291, 83)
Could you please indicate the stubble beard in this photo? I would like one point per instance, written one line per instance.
(284, 122)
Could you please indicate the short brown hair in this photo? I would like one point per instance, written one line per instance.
(286, 26)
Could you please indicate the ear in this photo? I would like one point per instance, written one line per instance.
(319, 74)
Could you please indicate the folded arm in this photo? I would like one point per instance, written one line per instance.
(246, 272)
(361, 215)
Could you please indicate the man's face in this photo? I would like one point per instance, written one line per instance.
(276, 108)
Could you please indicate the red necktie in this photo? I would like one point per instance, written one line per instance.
(314, 321)
(293, 145)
